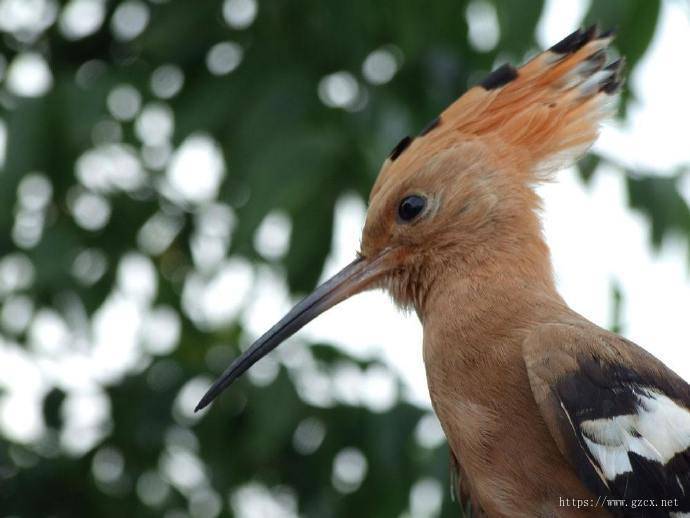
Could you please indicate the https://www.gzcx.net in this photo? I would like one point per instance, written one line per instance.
(619, 503)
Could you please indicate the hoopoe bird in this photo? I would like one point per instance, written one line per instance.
(546, 414)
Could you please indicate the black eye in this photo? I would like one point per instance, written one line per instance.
(410, 207)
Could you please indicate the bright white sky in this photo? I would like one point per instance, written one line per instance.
(594, 237)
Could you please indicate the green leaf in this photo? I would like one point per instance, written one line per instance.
(659, 199)
(518, 21)
(587, 166)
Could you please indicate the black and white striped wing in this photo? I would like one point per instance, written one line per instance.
(625, 429)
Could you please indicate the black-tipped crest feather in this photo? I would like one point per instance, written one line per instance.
(400, 147)
(500, 77)
(576, 40)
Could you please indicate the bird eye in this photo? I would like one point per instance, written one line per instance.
(410, 207)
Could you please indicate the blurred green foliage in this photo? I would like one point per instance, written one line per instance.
(285, 148)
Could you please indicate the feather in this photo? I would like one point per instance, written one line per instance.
(547, 112)
(622, 418)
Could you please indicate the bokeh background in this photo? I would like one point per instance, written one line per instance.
(173, 174)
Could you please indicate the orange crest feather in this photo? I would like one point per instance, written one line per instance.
(540, 117)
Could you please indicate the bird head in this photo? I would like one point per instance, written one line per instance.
(441, 206)
(459, 196)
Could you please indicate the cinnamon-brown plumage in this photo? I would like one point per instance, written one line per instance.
(545, 413)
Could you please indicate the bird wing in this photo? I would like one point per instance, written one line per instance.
(618, 415)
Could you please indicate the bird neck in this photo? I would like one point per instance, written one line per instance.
(475, 323)
(503, 285)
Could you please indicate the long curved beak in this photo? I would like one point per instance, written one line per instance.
(354, 278)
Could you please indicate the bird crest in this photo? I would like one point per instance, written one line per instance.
(536, 119)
